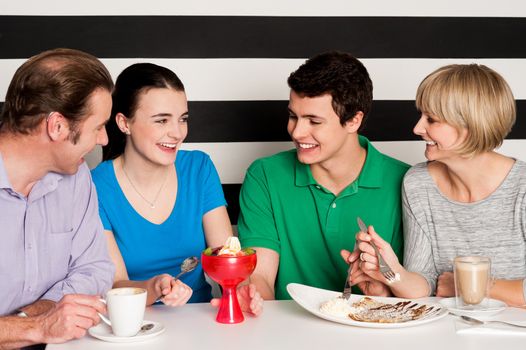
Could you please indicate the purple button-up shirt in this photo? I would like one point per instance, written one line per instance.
(51, 242)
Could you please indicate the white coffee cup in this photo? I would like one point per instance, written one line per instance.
(125, 310)
(472, 281)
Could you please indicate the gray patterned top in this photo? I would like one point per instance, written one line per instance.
(437, 229)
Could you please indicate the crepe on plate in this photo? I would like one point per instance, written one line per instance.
(370, 310)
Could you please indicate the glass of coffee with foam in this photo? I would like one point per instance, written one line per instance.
(472, 282)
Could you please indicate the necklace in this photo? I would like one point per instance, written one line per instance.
(152, 203)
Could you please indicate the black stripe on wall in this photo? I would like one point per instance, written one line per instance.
(231, 192)
(264, 37)
(259, 121)
(265, 121)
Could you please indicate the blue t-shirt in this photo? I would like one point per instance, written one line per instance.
(149, 249)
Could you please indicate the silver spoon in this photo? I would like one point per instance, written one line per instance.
(477, 322)
(188, 264)
(146, 327)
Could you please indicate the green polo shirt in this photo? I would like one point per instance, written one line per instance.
(284, 209)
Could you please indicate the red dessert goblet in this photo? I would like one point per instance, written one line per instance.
(229, 271)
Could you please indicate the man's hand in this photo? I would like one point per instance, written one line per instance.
(70, 318)
(38, 307)
(249, 299)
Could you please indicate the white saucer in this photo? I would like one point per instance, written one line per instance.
(494, 307)
(103, 332)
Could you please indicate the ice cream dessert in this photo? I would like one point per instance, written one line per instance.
(231, 248)
(229, 265)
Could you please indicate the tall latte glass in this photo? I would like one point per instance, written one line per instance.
(472, 282)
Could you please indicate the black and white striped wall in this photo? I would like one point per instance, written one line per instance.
(234, 58)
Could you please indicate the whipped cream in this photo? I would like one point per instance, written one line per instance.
(336, 307)
(232, 247)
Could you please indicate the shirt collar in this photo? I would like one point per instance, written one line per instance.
(303, 174)
(45, 185)
(371, 175)
(372, 172)
(4, 180)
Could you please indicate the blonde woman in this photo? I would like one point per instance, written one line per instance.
(467, 199)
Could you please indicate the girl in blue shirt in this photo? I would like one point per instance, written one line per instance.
(159, 204)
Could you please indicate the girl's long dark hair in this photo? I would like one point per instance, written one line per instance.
(133, 81)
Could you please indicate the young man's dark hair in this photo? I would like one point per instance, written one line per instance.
(342, 76)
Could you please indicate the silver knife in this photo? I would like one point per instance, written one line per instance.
(347, 288)
(362, 225)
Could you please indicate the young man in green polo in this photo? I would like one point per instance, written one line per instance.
(299, 207)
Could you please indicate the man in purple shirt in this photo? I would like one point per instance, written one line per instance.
(53, 257)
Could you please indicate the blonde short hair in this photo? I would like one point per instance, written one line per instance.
(473, 97)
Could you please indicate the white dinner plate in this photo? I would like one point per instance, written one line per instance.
(103, 332)
(494, 307)
(311, 298)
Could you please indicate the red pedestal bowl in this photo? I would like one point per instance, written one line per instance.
(229, 271)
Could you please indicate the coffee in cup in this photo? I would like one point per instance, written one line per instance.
(472, 281)
(125, 310)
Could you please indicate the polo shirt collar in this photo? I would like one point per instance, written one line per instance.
(372, 172)
(371, 175)
(303, 174)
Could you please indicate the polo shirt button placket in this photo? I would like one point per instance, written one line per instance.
(333, 218)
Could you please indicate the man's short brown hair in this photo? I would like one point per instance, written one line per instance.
(59, 80)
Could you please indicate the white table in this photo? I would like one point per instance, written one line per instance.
(285, 325)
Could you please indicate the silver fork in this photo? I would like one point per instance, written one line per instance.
(384, 268)
(430, 312)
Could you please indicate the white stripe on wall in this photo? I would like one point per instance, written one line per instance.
(266, 79)
(471, 8)
(233, 158)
